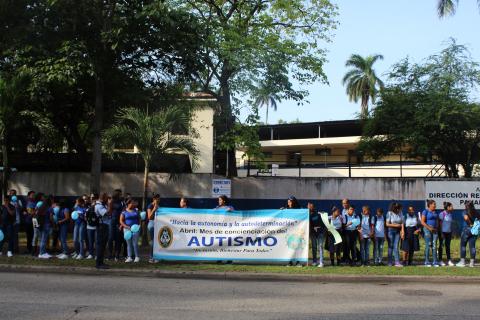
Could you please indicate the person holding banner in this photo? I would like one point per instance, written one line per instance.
(430, 232)
(337, 221)
(469, 216)
(128, 219)
(183, 203)
(396, 230)
(152, 208)
(224, 203)
(317, 235)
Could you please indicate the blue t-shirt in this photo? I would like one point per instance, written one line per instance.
(432, 217)
(131, 218)
(447, 219)
(117, 208)
(366, 223)
(81, 214)
(348, 219)
(336, 222)
(379, 226)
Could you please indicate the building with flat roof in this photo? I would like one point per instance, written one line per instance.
(325, 149)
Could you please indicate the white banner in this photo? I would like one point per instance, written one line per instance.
(456, 192)
(206, 235)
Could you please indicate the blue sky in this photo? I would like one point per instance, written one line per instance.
(395, 29)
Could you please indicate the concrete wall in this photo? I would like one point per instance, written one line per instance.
(203, 125)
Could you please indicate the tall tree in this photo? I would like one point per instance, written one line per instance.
(448, 7)
(426, 111)
(153, 134)
(361, 80)
(246, 41)
(265, 98)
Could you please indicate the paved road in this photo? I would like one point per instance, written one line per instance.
(46, 296)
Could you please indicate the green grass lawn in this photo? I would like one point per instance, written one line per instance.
(212, 267)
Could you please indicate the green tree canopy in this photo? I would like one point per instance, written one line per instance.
(426, 111)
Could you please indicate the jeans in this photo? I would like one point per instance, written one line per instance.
(62, 233)
(132, 245)
(318, 242)
(364, 249)
(16, 229)
(430, 242)
(79, 233)
(36, 236)
(394, 240)
(91, 235)
(114, 241)
(465, 238)
(151, 232)
(447, 239)
(378, 250)
(44, 234)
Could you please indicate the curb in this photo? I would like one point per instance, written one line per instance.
(236, 276)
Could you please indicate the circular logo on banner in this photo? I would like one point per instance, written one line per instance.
(165, 237)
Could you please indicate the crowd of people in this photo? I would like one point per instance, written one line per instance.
(107, 227)
(401, 232)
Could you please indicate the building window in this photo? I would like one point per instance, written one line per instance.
(293, 155)
(323, 152)
(267, 155)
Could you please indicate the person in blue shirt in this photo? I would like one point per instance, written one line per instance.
(379, 236)
(366, 233)
(445, 236)
(62, 219)
(317, 235)
(410, 242)
(345, 207)
(396, 231)
(151, 210)
(43, 214)
(430, 224)
(351, 235)
(7, 224)
(469, 216)
(128, 218)
(28, 223)
(337, 221)
(80, 229)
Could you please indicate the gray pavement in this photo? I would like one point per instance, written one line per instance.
(50, 296)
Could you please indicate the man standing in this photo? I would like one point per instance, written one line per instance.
(345, 207)
(102, 228)
(27, 218)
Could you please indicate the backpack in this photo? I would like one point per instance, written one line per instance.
(91, 216)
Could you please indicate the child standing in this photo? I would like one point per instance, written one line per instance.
(446, 218)
(337, 222)
(379, 236)
(410, 242)
(395, 225)
(351, 233)
(366, 233)
(317, 235)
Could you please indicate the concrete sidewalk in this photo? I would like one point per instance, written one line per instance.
(236, 276)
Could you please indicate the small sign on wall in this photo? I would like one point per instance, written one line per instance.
(456, 192)
(221, 187)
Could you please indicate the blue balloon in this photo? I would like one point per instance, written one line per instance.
(14, 198)
(56, 210)
(1, 235)
(143, 215)
(74, 215)
(127, 234)
(39, 204)
(135, 228)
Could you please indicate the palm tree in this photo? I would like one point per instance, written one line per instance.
(264, 97)
(448, 7)
(152, 134)
(361, 80)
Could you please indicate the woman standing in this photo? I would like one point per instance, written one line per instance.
(469, 216)
(446, 218)
(151, 210)
(317, 235)
(79, 230)
(44, 212)
(410, 242)
(337, 221)
(8, 220)
(128, 218)
(394, 223)
(63, 220)
(430, 232)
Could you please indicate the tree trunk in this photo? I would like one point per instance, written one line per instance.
(144, 203)
(6, 168)
(266, 117)
(97, 136)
